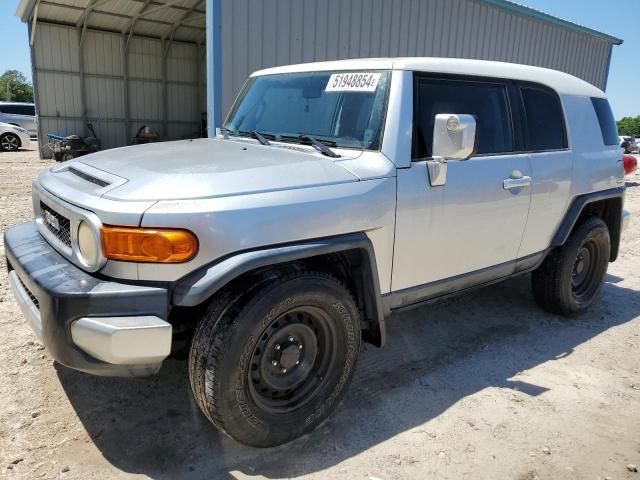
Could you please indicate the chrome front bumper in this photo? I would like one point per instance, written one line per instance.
(123, 340)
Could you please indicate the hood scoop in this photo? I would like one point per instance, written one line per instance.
(86, 178)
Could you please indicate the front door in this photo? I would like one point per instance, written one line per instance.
(471, 227)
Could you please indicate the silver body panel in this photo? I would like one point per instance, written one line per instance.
(467, 224)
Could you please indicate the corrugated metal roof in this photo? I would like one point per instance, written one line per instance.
(540, 15)
(116, 14)
(182, 20)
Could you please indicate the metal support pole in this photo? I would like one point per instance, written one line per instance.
(199, 87)
(165, 93)
(214, 66)
(83, 87)
(125, 87)
(43, 150)
(34, 24)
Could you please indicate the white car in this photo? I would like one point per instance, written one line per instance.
(12, 137)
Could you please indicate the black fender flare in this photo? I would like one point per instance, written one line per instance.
(575, 210)
(196, 287)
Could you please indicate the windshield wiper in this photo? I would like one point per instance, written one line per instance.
(321, 147)
(252, 133)
(315, 143)
(260, 137)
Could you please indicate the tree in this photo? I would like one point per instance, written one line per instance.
(629, 126)
(14, 87)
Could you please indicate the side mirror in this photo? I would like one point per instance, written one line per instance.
(454, 138)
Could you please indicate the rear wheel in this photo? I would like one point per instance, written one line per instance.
(9, 142)
(268, 365)
(571, 277)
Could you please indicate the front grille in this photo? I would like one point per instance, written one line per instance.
(31, 295)
(63, 232)
(89, 178)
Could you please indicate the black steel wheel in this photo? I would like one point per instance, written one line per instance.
(269, 363)
(586, 276)
(571, 277)
(9, 142)
(291, 359)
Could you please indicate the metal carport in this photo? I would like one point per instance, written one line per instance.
(118, 64)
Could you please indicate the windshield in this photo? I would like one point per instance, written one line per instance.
(341, 109)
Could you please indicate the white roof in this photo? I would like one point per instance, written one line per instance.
(561, 82)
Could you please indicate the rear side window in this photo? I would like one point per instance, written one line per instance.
(607, 121)
(18, 109)
(10, 109)
(544, 121)
(26, 110)
(487, 101)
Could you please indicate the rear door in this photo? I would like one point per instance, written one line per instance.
(545, 140)
(27, 118)
(474, 223)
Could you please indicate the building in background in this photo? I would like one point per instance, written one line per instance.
(122, 64)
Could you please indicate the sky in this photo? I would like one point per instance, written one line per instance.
(615, 17)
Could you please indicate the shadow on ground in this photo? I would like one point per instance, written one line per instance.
(460, 346)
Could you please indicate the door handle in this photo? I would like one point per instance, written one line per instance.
(521, 182)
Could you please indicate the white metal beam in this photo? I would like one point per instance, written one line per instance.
(34, 23)
(132, 24)
(180, 21)
(87, 12)
(171, 3)
(91, 4)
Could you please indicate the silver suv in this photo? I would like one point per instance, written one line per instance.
(335, 194)
(20, 114)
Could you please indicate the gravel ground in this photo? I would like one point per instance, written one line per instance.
(481, 386)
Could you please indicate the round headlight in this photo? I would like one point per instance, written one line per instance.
(88, 244)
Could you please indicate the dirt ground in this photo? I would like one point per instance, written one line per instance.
(481, 386)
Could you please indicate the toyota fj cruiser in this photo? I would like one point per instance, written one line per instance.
(335, 194)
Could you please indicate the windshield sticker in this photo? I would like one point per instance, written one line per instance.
(353, 82)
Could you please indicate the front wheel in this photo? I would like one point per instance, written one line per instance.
(269, 364)
(9, 142)
(571, 277)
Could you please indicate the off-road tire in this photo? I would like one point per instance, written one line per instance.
(564, 283)
(241, 336)
(9, 142)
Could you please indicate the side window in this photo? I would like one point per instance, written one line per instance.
(10, 109)
(26, 110)
(544, 120)
(607, 121)
(487, 101)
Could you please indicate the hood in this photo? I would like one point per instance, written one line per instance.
(205, 168)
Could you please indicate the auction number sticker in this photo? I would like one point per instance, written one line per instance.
(353, 82)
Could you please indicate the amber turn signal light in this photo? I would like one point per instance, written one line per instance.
(155, 245)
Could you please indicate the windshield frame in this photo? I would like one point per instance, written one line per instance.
(329, 140)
